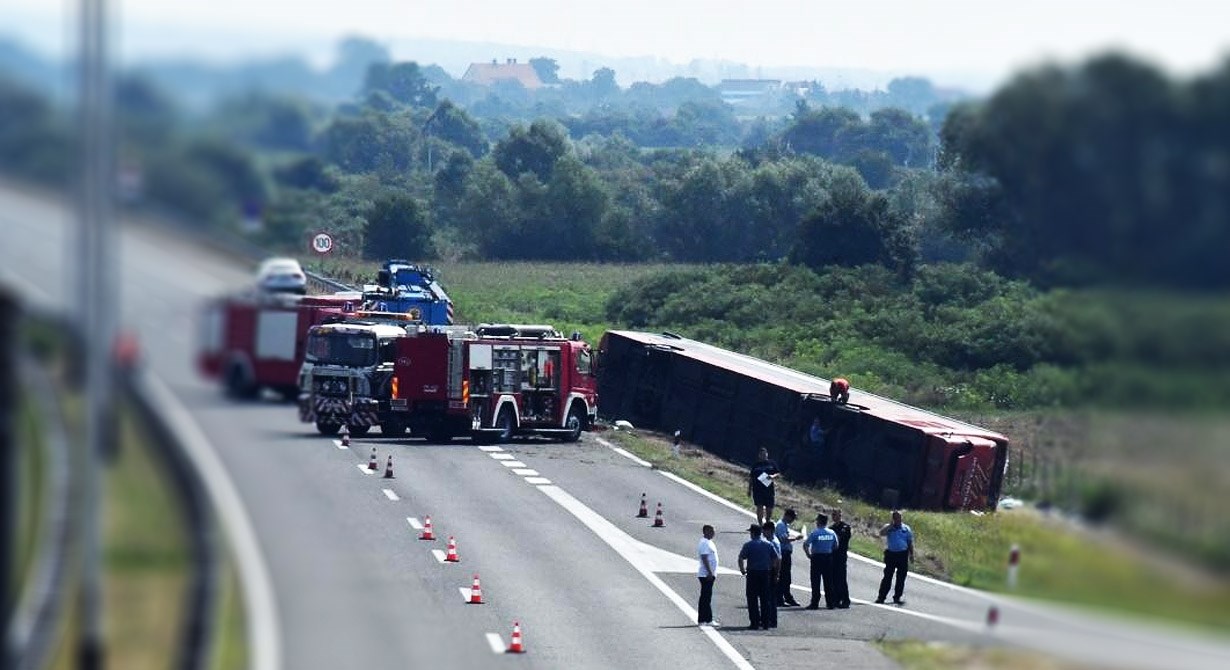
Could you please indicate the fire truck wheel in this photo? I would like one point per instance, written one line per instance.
(393, 428)
(506, 425)
(575, 424)
(359, 431)
(328, 428)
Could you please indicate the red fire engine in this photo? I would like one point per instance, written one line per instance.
(253, 341)
(495, 382)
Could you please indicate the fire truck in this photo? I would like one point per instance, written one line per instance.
(732, 404)
(406, 288)
(494, 383)
(347, 373)
(255, 340)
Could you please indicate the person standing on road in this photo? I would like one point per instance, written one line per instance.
(785, 537)
(768, 534)
(760, 485)
(706, 551)
(841, 587)
(819, 547)
(898, 554)
(757, 563)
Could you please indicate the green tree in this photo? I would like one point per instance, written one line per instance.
(396, 228)
(535, 149)
(451, 124)
(854, 227)
(546, 68)
(404, 82)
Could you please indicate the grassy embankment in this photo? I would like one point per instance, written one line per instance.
(145, 551)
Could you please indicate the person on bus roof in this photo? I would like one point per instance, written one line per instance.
(839, 391)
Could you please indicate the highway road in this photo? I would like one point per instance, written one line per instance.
(335, 576)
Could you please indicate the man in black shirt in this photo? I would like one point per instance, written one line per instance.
(760, 486)
(840, 555)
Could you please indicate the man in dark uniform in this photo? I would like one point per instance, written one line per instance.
(819, 547)
(758, 562)
(760, 486)
(841, 588)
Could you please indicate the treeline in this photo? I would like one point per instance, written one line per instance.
(953, 337)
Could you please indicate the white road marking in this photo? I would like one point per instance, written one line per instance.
(503, 456)
(537, 480)
(340, 445)
(465, 593)
(490, 449)
(363, 468)
(627, 547)
(414, 523)
(624, 452)
(525, 472)
(388, 493)
(261, 611)
(512, 464)
(439, 554)
(496, 642)
(714, 497)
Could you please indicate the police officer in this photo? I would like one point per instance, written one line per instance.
(768, 533)
(819, 547)
(758, 563)
(841, 588)
(898, 554)
(785, 537)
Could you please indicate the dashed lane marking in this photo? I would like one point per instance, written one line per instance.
(538, 480)
(439, 554)
(339, 444)
(414, 523)
(525, 472)
(496, 643)
(388, 493)
(505, 456)
(491, 449)
(513, 464)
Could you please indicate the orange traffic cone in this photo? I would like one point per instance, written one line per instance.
(476, 592)
(371, 462)
(644, 511)
(992, 616)
(345, 435)
(388, 468)
(427, 534)
(451, 556)
(517, 646)
(658, 521)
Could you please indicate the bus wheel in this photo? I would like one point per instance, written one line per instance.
(328, 428)
(575, 423)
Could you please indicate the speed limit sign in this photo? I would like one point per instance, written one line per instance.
(322, 243)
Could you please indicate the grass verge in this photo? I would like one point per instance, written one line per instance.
(914, 655)
(1058, 563)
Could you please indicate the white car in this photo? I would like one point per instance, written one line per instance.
(281, 275)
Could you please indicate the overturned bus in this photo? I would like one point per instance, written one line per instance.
(732, 404)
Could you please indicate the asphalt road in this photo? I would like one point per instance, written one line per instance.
(558, 549)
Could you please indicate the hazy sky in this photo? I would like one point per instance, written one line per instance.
(987, 37)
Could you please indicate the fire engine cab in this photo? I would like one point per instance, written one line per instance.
(255, 340)
(495, 382)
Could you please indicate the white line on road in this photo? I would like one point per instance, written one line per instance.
(363, 468)
(538, 480)
(261, 611)
(496, 642)
(715, 498)
(388, 493)
(340, 445)
(618, 540)
(525, 472)
(503, 456)
(414, 523)
(465, 593)
(624, 452)
(490, 449)
(512, 464)
(439, 554)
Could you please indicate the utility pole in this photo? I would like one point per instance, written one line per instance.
(96, 291)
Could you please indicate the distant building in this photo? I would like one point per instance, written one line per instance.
(486, 74)
(737, 92)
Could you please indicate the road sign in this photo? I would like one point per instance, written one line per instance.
(322, 243)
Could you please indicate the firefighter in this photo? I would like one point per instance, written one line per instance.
(839, 391)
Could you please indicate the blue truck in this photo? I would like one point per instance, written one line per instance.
(406, 288)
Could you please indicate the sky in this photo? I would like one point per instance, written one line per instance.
(980, 38)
